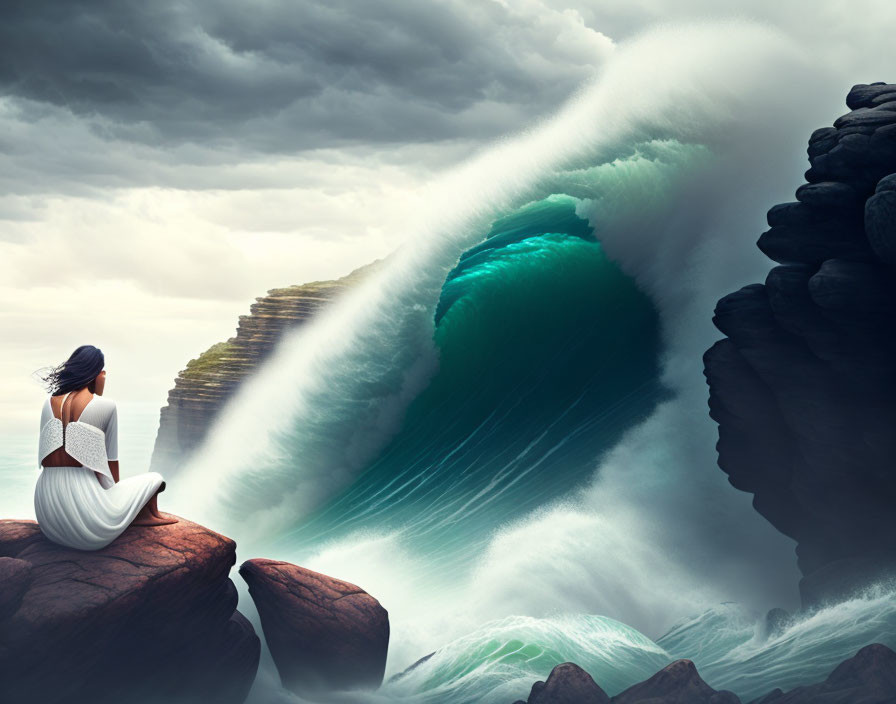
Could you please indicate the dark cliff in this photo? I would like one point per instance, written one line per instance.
(202, 388)
(804, 385)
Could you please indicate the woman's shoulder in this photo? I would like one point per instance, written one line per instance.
(104, 402)
(100, 410)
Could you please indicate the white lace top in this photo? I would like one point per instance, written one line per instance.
(92, 440)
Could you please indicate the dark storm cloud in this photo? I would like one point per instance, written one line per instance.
(294, 75)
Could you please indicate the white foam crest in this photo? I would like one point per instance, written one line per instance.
(499, 660)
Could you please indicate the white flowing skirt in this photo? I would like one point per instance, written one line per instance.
(73, 509)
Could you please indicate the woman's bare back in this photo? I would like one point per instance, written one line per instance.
(69, 409)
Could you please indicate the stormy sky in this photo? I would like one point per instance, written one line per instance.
(164, 163)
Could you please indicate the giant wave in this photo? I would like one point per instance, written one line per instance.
(503, 434)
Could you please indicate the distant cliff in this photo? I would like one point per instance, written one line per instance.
(202, 388)
(804, 386)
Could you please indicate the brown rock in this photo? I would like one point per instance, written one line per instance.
(151, 614)
(15, 576)
(323, 633)
(15, 536)
(567, 684)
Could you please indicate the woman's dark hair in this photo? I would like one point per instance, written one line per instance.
(78, 371)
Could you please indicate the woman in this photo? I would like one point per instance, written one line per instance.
(78, 499)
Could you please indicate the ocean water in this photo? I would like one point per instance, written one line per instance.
(504, 434)
(731, 649)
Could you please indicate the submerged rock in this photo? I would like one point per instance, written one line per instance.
(323, 633)
(804, 386)
(867, 678)
(150, 617)
(411, 667)
(777, 621)
(678, 683)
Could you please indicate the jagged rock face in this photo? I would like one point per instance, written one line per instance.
(804, 386)
(150, 617)
(323, 633)
(678, 683)
(567, 684)
(867, 678)
(201, 389)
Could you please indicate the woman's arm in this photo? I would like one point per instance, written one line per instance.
(112, 444)
(113, 467)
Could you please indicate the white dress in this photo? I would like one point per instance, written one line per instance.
(74, 506)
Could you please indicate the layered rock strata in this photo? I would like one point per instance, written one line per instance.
(324, 634)
(150, 617)
(804, 385)
(202, 388)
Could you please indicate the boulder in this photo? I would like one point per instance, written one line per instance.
(323, 633)
(862, 95)
(855, 287)
(567, 683)
(827, 194)
(866, 117)
(152, 615)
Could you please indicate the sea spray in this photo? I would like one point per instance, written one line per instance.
(334, 391)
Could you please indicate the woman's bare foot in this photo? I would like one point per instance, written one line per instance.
(151, 516)
(159, 515)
